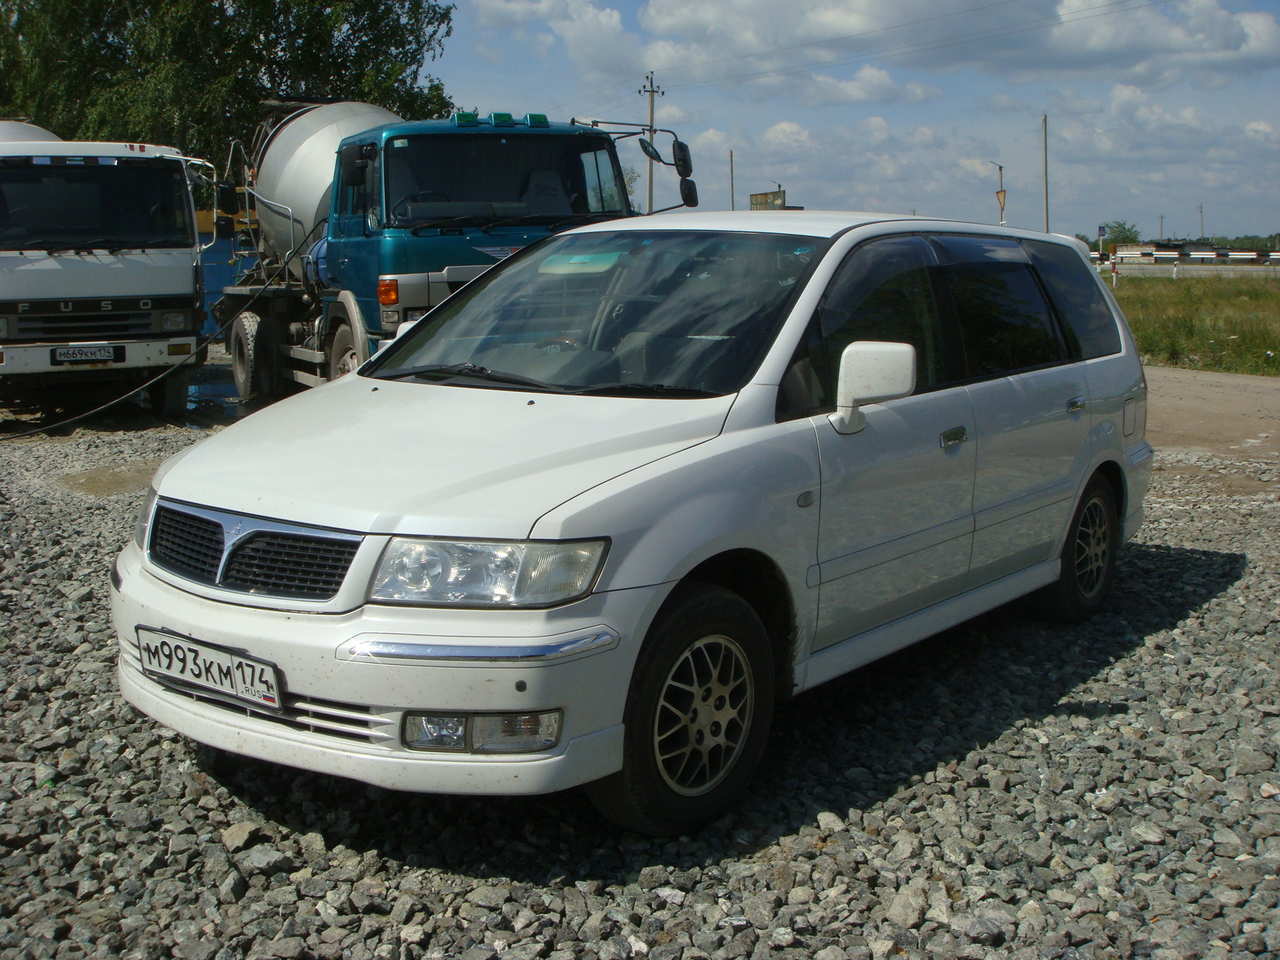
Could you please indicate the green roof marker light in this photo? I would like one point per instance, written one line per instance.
(465, 118)
(536, 119)
(501, 120)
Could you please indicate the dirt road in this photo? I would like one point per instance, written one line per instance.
(1228, 414)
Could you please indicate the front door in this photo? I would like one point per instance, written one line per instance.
(896, 520)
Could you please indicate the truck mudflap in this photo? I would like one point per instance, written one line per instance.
(101, 355)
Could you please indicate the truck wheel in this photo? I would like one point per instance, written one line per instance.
(697, 715)
(169, 396)
(250, 357)
(342, 352)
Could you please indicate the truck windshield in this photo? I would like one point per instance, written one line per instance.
(524, 177)
(628, 313)
(51, 203)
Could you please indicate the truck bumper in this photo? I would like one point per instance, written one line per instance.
(34, 358)
(343, 713)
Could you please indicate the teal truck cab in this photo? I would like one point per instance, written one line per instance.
(357, 222)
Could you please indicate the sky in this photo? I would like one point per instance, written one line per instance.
(1155, 107)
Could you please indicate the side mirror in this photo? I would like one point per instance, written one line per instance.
(651, 151)
(871, 371)
(688, 193)
(682, 159)
(227, 199)
(224, 228)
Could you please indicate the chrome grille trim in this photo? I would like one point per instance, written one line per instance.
(266, 558)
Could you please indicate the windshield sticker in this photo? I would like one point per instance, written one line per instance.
(579, 263)
(400, 142)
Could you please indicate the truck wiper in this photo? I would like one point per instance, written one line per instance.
(643, 390)
(470, 370)
(472, 220)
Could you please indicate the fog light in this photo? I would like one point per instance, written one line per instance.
(515, 732)
(179, 349)
(430, 731)
(390, 320)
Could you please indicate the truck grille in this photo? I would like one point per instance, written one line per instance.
(262, 557)
(71, 327)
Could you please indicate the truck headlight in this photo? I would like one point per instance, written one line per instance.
(143, 522)
(174, 320)
(486, 573)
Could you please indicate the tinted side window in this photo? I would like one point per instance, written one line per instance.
(1004, 320)
(1088, 323)
(880, 292)
(354, 193)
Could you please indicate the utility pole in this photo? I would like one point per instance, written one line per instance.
(1162, 226)
(1044, 129)
(650, 89)
(731, 200)
(1202, 220)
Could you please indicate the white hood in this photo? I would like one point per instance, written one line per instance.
(37, 275)
(378, 456)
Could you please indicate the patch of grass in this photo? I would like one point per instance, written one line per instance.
(1230, 324)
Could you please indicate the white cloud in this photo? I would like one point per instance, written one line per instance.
(787, 135)
(670, 113)
(1261, 131)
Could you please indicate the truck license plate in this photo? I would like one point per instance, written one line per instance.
(110, 353)
(200, 664)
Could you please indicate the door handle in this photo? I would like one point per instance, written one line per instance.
(1075, 404)
(949, 438)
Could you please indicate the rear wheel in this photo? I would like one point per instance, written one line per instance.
(1088, 556)
(697, 715)
(251, 357)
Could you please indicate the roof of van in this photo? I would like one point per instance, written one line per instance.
(810, 223)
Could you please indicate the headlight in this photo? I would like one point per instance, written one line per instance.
(5, 323)
(478, 573)
(144, 519)
(175, 320)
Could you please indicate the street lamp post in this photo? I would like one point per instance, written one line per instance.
(1000, 192)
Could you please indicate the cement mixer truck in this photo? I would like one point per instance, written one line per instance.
(356, 222)
(100, 281)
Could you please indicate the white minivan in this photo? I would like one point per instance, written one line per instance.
(592, 517)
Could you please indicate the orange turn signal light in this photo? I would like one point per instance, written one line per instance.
(388, 292)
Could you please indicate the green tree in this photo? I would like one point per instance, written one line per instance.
(193, 73)
(1120, 231)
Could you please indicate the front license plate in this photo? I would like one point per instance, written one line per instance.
(202, 665)
(110, 353)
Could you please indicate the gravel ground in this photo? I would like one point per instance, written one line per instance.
(1007, 789)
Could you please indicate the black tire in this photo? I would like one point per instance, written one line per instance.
(703, 691)
(251, 357)
(1088, 557)
(342, 352)
(169, 396)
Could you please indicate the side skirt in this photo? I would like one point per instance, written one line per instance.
(863, 648)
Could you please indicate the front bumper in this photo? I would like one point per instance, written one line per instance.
(32, 358)
(349, 678)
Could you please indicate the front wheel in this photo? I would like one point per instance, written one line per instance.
(342, 353)
(697, 716)
(1088, 556)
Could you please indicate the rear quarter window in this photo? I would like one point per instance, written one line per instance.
(1088, 323)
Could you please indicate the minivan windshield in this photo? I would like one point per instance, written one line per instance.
(674, 313)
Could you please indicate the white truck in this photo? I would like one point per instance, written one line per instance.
(100, 278)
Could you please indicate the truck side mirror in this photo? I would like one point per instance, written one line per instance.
(688, 193)
(871, 371)
(228, 200)
(682, 159)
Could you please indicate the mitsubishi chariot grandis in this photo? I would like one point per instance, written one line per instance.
(594, 515)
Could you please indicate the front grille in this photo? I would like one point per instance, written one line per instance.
(285, 565)
(189, 545)
(72, 327)
(256, 556)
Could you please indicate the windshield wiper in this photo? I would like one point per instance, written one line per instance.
(643, 389)
(473, 371)
(472, 220)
